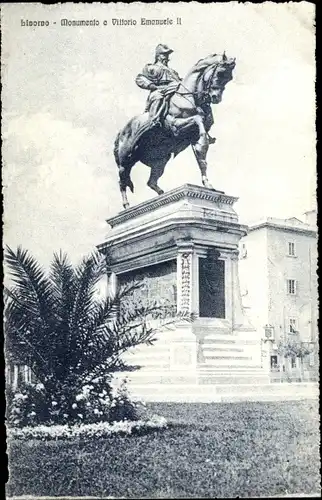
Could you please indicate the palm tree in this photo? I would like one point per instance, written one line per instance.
(56, 323)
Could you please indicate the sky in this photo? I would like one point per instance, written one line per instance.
(67, 91)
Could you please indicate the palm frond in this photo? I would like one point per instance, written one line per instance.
(31, 283)
(65, 285)
(97, 263)
(63, 277)
(88, 273)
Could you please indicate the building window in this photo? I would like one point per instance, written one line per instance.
(273, 362)
(293, 362)
(292, 325)
(291, 248)
(291, 287)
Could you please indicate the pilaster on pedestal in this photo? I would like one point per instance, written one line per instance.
(111, 284)
(184, 281)
(183, 348)
(187, 278)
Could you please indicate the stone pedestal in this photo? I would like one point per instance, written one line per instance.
(184, 244)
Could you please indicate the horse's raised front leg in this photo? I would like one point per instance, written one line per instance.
(200, 149)
(179, 125)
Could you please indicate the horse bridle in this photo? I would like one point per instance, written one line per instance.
(197, 94)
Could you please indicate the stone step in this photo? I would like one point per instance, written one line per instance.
(241, 343)
(223, 388)
(227, 334)
(233, 379)
(148, 376)
(153, 349)
(220, 348)
(242, 371)
(168, 380)
(233, 370)
(224, 336)
(148, 356)
(226, 367)
(151, 355)
(215, 340)
(228, 356)
(228, 360)
(225, 393)
(215, 380)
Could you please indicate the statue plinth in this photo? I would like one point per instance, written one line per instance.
(184, 244)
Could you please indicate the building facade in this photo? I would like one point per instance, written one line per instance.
(278, 274)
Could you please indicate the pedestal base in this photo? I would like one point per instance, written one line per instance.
(200, 353)
(184, 246)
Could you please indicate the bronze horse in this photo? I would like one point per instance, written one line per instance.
(187, 121)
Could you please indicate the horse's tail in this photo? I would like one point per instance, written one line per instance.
(116, 149)
(124, 173)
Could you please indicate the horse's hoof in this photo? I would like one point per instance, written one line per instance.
(126, 205)
(160, 192)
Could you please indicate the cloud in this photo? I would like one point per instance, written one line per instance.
(58, 186)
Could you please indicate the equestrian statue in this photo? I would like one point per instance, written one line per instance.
(177, 114)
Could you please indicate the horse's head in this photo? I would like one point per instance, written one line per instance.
(217, 75)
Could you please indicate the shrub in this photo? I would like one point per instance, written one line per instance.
(103, 400)
(26, 406)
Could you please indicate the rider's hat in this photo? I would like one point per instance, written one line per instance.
(162, 49)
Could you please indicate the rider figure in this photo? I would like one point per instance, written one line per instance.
(161, 80)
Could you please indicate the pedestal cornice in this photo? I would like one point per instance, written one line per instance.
(156, 230)
(187, 191)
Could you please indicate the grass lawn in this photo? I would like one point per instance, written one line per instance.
(209, 450)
